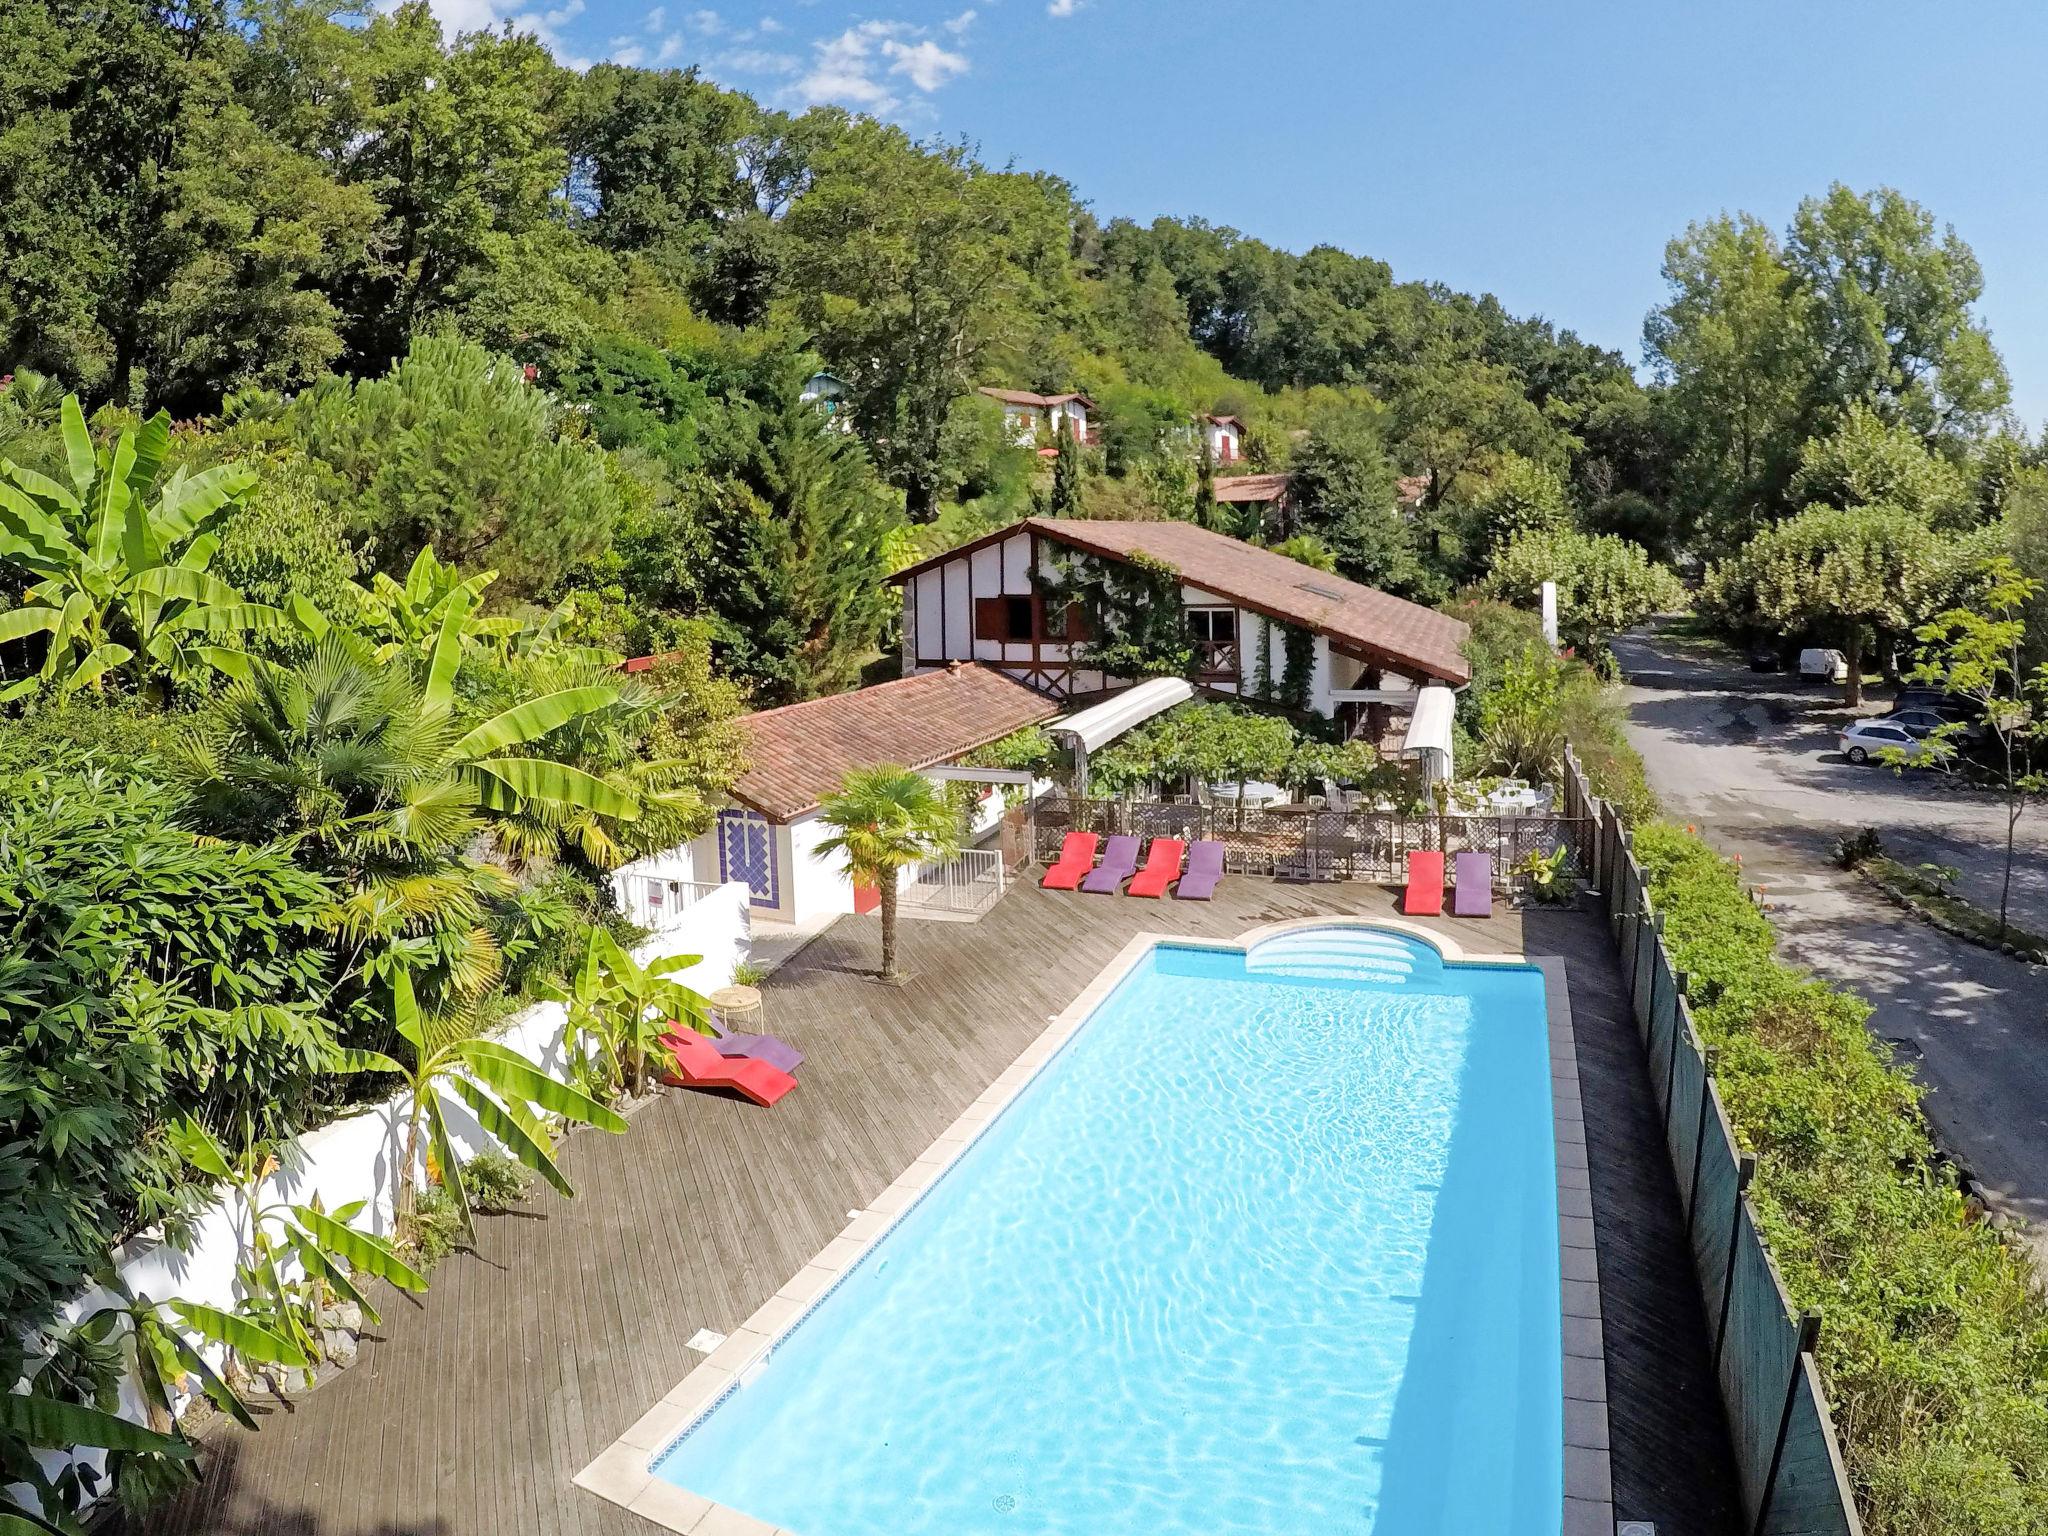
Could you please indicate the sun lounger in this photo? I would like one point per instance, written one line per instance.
(1205, 868)
(1162, 868)
(695, 1063)
(1077, 857)
(773, 1049)
(1119, 863)
(1425, 894)
(1473, 882)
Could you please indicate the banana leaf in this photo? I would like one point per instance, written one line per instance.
(197, 1146)
(151, 444)
(23, 622)
(325, 1269)
(512, 1135)
(510, 1073)
(186, 506)
(99, 661)
(44, 1421)
(218, 1392)
(444, 1156)
(365, 1253)
(250, 1340)
(355, 1059)
(540, 778)
(174, 581)
(79, 458)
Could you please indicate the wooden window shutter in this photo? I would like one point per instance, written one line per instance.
(990, 618)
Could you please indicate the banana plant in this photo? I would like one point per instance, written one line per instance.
(624, 1008)
(117, 563)
(31, 1421)
(401, 617)
(331, 1253)
(449, 1054)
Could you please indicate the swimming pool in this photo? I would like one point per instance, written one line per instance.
(1270, 1244)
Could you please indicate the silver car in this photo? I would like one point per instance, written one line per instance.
(1864, 739)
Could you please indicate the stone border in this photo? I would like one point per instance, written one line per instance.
(623, 1471)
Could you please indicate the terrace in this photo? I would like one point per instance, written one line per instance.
(529, 1358)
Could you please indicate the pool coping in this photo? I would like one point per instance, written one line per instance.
(624, 1471)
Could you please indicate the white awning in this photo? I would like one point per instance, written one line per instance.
(1100, 724)
(1429, 729)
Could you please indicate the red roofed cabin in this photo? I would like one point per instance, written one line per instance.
(1226, 438)
(1031, 417)
(998, 601)
(799, 756)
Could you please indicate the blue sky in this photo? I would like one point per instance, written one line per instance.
(1541, 153)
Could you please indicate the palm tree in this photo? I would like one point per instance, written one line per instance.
(884, 819)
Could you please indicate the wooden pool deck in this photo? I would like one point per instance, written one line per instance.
(475, 1408)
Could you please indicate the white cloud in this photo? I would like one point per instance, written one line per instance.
(767, 26)
(657, 18)
(959, 24)
(759, 61)
(1062, 7)
(670, 50)
(710, 23)
(925, 64)
(856, 69)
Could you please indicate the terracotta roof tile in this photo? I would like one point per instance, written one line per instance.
(1361, 619)
(1251, 487)
(1026, 397)
(801, 753)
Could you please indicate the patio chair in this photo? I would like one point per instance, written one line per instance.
(1205, 868)
(1425, 894)
(773, 1049)
(1162, 868)
(695, 1063)
(1077, 857)
(1472, 882)
(1119, 863)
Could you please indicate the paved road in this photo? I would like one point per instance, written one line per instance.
(1750, 760)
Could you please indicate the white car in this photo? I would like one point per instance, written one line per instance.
(1863, 740)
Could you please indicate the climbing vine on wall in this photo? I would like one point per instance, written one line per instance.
(1299, 672)
(1262, 678)
(1136, 626)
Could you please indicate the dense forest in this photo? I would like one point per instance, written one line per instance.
(369, 393)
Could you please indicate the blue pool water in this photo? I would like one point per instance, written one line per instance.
(1269, 1246)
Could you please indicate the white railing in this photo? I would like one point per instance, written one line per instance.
(967, 885)
(657, 903)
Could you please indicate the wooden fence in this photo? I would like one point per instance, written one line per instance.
(1786, 1455)
(1304, 843)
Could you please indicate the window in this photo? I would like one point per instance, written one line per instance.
(1212, 626)
(1016, 618)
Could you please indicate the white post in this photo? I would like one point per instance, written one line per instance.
(1550, 613)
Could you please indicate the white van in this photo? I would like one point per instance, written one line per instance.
(1824, 666)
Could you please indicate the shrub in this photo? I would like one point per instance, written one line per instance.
(495, 1181)
(434, 1229)
(1936, 1336)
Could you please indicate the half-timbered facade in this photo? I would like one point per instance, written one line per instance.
(1001, 601)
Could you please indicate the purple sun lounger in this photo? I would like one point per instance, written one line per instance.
(772, 1049)
(1205, 868)
(1472, 885)
(1119, 863)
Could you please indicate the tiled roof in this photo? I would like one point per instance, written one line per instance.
(1251, 487)
(801, 753)
(1026, 397)
(1411, 488)
(1410, 638)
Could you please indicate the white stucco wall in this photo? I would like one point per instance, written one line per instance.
(356, 1158)
(816, 884)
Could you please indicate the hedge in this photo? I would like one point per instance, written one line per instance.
(1935, 1338)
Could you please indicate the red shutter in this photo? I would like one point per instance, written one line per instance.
(990, 618)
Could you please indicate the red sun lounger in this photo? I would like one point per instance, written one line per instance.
(1077, 857)
(1425, 894)
(697, 1064)
(1119, 863)
(1473, 882)
(1162, 868)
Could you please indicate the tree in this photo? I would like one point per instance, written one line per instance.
(454, 448)
(1865, 462)
(1977, 653)
(1205, 479)
(1065, 498)
(1519, 497)
(451, 1053)
(118, 564)
(914, 266)
(1842, 571)
(1891, 303)
(1604, 585)
(884, 820)
(1344, 489)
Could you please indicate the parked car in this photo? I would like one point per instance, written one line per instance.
(1823, 666)
(1920, 696)
(1765, 658)
(1921, 723)
(1864, 739)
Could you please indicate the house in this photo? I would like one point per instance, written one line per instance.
(1268, 499)
(1002, 600)
(827, 391)
(1410, 492)
(1030, 417)
(799, 756)
(1226, 438)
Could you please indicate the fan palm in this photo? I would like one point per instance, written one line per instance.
(884, 820)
